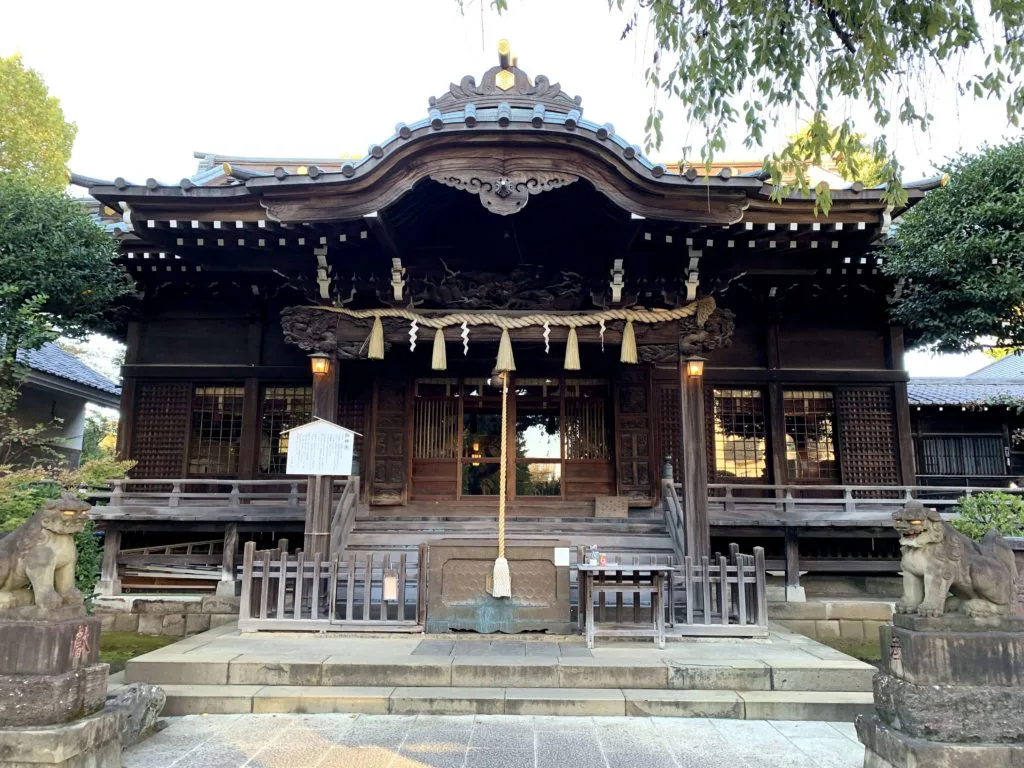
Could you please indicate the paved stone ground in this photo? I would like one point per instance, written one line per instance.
(366, 741)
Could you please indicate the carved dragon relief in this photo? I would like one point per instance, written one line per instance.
(504, 194)
(312, 330)
(697, 338)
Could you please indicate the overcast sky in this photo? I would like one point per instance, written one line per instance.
(148, 83)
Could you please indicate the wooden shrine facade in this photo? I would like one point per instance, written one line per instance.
(505, 200)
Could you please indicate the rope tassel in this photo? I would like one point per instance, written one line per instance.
(628, 344)
(506, 362)
(572, 351)
(440, 359)
(376, 340)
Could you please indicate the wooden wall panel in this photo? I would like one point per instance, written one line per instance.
(636, 475)
(867, 436)
(184, 341)
(160, 436)
(584, 480)
(832, 348)
(389, 457)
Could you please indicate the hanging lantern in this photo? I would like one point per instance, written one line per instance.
(320, 363)
(572, 351)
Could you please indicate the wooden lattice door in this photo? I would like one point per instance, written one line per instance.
(161, 429)
(867, 432)
(633, 435)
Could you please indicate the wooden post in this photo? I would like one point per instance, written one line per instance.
(227, 568)
(109, 584)
(694, 464)
(319, 491)
(901, 405)
(794, 592)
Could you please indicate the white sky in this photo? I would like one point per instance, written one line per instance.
(149, 82)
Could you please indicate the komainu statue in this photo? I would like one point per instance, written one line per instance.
(41, 554)
(945, 571)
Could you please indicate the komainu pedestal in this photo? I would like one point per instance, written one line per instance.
(949, 694)
(53, 687)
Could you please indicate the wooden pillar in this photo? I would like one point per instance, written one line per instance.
(319, 491)
(694, 464)
(109, 584)
(249, 443)
(901, 404)
(777, 433)
(126, 417)
(227, 568)
(794, 592)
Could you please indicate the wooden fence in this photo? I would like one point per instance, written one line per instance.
(371, 591)
(720, 596)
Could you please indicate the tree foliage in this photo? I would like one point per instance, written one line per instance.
(748, 63)
(35, 139)
(982, 512)
(57, 269)
(958, 255)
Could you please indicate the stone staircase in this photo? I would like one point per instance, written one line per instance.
(787, 677)
(642, 531)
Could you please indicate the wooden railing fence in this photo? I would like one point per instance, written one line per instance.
(722, 596)
(344, 516)
(371, 591)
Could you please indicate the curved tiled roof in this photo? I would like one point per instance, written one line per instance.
(1010, 367)
(954, 391)
(51, 359)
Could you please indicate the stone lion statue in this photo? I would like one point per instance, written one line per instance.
(41, 554)
(945, 571)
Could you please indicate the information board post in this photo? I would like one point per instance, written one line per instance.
(319, 496)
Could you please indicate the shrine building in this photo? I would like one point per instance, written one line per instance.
(671, 331)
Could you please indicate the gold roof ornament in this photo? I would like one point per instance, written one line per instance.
(505, 78)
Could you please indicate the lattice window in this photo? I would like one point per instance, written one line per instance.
(161, 430)
(353, 403)
(283, 408)
(962, 455)
(668, 425)
(216, 430)
(810, 428)
(867, 429)
(587, 433)
(740, 434)
(436, 432)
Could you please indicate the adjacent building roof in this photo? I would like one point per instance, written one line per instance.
(54, 361)
(952, 391)
(1010, 367)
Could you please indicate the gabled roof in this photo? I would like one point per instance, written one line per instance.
(54, 361)
(1010, 367)
(507, 136)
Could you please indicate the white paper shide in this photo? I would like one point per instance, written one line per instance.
(320, 448)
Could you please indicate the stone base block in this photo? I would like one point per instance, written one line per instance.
(952, 713)
(611, 506)
(887, 748)
(90, 742)
(796, 594)
(48, 647)
(27, 700)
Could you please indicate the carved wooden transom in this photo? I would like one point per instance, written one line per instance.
(504, 194)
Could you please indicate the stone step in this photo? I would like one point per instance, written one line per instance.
(839, 706)
(480, 671)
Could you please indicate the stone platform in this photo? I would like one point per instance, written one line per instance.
(89, 742)
(949, 694)
(786, 677)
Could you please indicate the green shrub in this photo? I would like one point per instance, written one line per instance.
(982, 512)
(87, 567)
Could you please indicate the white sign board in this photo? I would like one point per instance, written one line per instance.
(561, 556)
(320, 448)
